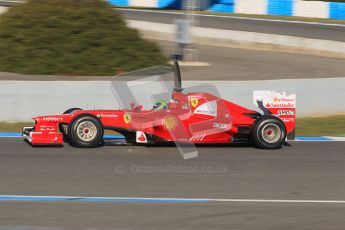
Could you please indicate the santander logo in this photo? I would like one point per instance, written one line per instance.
(281, 103)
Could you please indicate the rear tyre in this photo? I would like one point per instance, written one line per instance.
(85, 132)
(269, 132)
(64, 127)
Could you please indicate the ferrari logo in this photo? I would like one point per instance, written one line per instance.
(170, 122)
(194, 101)
(127, 118)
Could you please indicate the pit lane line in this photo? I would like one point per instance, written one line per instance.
(109, 137)
(154, 200)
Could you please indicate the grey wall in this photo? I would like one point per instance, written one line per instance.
(21, 100)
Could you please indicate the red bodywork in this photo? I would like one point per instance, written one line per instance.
(190, 118)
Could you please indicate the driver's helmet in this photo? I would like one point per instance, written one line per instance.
(160, 105)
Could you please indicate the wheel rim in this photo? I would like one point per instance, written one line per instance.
(86, 131)
(271, 133)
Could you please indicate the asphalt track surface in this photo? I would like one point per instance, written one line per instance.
(289, 28)
(303, 171)
(234, 64)
(243, 64)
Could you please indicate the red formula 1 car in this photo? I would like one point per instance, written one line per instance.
(199, 118)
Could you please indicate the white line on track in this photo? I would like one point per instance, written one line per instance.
(235, 17)
(161, 200)
(279, 201)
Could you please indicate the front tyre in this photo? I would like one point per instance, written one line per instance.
(269, 132)
(85, 132)
(64, 127)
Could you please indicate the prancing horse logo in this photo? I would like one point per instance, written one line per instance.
(127, 118)
(194, 101)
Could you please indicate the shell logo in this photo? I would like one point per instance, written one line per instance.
(127, 118)
(170, 122)
(194, 101)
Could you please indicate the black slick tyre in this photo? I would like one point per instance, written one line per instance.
(268, 132)
(85, 132)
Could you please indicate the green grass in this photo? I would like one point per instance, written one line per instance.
(321, 126)
(73, 38)
(13, 127)
(311, 126)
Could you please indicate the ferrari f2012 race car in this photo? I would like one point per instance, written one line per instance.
(189, 117)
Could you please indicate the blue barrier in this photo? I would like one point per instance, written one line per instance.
(274, 7)
(170, 4)
(337, 10)
(280, 7)
(119, 2)
(226, 6)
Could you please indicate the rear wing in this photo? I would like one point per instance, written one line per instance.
(279, 104)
